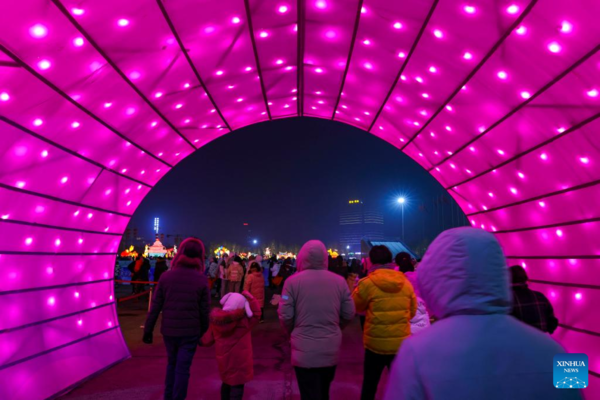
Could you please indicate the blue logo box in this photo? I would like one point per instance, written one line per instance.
(571, 371)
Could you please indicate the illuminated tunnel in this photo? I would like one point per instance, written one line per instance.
(99, 99)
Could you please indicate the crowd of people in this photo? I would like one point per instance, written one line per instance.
(449, 327)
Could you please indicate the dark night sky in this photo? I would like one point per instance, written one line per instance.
(288, 179)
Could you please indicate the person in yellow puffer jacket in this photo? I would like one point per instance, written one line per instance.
(389, 301)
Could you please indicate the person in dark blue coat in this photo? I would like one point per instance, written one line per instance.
(183, 297)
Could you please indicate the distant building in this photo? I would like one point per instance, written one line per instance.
(358, 221)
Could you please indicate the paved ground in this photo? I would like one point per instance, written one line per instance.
(141, 377)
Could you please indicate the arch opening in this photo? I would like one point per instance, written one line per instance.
(98, 100)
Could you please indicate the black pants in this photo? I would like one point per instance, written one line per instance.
(180, 353)
(314, 383)
(374, 365)
(229, 392)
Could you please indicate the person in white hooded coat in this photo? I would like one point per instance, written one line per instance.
(314, 307)
(476, 350)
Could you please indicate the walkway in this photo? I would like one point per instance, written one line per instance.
(141, 377)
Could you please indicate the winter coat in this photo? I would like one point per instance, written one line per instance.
(235, 272)
(184, 299)
(390, 303)
(313, 305)
(230, 333)
(142, 273)
(255, 284)
(421, 320)
(213, 270)
(476, 350)
(159, 268)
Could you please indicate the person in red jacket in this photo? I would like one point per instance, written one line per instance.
(229, 331)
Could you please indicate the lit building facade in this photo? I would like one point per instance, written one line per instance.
(358, 221)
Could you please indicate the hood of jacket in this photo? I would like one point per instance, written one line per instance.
(387, 279)
(184, 261)
(226, 321)
(313, 255)
(464, 273)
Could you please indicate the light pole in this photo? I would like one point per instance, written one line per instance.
(402, 200)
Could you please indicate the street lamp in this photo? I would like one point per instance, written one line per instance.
(255, 241)
(401, 201)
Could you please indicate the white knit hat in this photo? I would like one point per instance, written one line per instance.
(235, 301)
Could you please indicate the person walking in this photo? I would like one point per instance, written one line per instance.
(475, 350)
(530, 306)
(160, 268)
(390, 303)
(255, 284)
(235, 273)
(139, 272)
(406, 265)
(184, 299)
(314, 307)
(223, 277)
(230, 333)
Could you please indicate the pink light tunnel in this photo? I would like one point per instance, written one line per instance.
(100, 99)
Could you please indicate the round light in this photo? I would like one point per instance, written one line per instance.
(38, 31)
(554, 47)
(512, 9)
(44, 64)
(135, 75)
(469, 9)
(51, 301)
(78, 42)
(432, 69)
(37, 122)
(525, 94)
(44, 153)
(57, 242)
(64, 179)
(235, 20)
(158, 95)
(584, 160)
(318, 70)
(77, 11)
(366, 42)
(566, 27)
(521, 30)
(263, 34)
(123, 22)
(4, 96)
(578, 296)
(591, 93)
(283, 9)
(398, 25)
(401, 54)
(321, 4)
(368, 65)
(468, 56)
(438, 34)
(75, 125)
(401, 200)
(502, 75)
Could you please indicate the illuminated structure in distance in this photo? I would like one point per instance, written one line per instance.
(156, 225)
(358, 221)
(499, 101)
